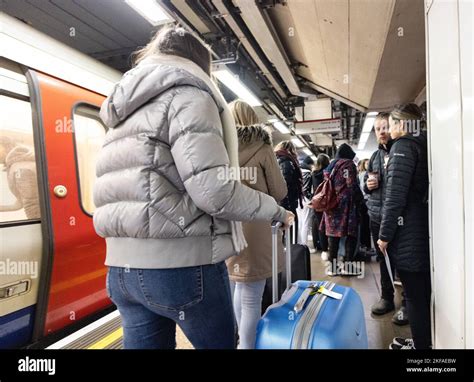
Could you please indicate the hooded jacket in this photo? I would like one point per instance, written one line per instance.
(294, 180)
(405, 210)
(260, 171)
(163, 192)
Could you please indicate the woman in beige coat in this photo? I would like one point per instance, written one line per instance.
(249, 271)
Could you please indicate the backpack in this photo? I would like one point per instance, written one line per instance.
(325, 197)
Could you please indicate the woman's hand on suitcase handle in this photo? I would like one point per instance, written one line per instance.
(289, 220)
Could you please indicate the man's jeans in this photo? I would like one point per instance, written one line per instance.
(152, 301)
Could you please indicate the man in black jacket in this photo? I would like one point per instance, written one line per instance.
(404, 226)
(374, 188)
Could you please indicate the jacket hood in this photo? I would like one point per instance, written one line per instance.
(142, 83)
(19, 154)
(251, 140)
(341, 163)
(345, 152)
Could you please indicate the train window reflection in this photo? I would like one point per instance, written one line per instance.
(89, 135)
(18, 183)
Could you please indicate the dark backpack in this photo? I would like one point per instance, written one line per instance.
(325, 197)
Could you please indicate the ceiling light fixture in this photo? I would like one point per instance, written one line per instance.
(151, 11)
(366, 129)
(297, 142)
(236, 86)
(281, 127)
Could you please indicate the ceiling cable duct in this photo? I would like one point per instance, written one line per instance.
(170, 8)
(203, 13)
(224, 11)
(218, 27)
(331, 94)
(258, 25)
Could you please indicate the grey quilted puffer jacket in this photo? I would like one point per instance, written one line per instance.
(161, 199)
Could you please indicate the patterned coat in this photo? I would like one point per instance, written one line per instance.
(343, 220)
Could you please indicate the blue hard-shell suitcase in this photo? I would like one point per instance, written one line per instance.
(312, 315)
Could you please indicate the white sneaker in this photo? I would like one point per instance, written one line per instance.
(312, 250)
(403, 342)
(324, 256)
(393, 346)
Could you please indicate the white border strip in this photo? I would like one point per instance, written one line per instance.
(84, 331)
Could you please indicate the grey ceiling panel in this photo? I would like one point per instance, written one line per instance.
(82, 27)
(121, 19)
(90, 18)
(52, 26)
(109, 30)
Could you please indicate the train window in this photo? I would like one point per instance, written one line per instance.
(19, 198)
(89, 136)
(12, 78)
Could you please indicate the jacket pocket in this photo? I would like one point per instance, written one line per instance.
(171, 289)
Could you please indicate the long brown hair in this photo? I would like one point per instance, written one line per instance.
(322, 162)
(288, 146)
(177, 41)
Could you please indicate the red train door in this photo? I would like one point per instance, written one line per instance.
(73, 135)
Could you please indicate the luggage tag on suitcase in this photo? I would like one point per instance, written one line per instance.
(329, 293)
(311, 290)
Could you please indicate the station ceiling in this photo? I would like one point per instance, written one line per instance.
(364, 54)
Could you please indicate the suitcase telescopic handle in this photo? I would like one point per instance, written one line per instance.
(275, 227)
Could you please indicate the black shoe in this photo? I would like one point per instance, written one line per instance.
(371, 252)
(401, 316)
(382, 306)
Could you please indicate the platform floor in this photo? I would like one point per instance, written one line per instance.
(107, 332)
(380, 329)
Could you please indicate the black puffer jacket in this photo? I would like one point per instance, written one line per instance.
(307, 181)
(293, 181)
(318, 177)
(405, 210)
(376, 196)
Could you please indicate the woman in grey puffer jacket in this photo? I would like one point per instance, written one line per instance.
(168, 204)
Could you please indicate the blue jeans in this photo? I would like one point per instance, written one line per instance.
(152, 301)
(248, 310)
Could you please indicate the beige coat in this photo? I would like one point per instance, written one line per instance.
(260, 171)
